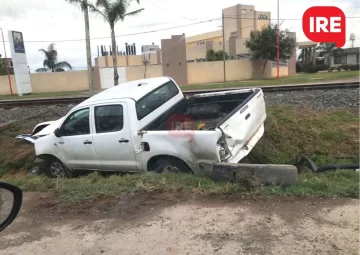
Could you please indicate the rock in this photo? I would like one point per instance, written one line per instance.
(254, 175)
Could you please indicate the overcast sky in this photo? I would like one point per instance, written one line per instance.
(50, 21)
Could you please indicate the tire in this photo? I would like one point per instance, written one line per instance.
(170, 165)
(55, 168)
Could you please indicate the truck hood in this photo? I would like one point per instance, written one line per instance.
(50, 127)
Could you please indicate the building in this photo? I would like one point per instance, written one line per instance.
(239, 21)
(349, 56)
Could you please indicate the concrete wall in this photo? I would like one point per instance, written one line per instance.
(283, 71)
(59, 81)
(205, 72)
(209, 72)
(174, 62)
(238, 70)
(258, 71)
(4, 85)
(137, 72)
(54, 82)
(107, 77)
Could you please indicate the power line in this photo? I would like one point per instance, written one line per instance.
(157, 30)
(239, 17)
(108, 37)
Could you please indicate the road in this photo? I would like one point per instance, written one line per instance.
(184, 224)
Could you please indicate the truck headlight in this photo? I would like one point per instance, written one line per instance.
(224, 151)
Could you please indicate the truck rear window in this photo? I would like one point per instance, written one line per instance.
(155, 99)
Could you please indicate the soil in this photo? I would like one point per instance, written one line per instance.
(184, 224)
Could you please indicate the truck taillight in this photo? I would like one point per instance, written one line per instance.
(224, 151)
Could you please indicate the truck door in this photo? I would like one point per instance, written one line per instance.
(112, 138)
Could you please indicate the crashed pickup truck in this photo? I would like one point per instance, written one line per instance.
(149, 125)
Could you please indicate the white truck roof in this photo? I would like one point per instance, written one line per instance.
(132, 89)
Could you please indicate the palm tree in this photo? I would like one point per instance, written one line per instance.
(112, 12)
(50, 63)
(84, 7)
(328, 50)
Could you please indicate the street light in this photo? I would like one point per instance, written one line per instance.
(6, 61)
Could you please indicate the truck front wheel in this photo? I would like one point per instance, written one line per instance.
(169, 165)
(54, 168)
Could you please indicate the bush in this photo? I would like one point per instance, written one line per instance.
(348, 67)
(310, 68)
(354, 67)
(322, 67)
(299, 68)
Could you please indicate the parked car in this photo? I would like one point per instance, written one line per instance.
(149, 125)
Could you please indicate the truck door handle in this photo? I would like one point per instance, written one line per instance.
(123, 140)
(87, 142)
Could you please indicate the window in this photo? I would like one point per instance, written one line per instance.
(155, 99)
(76, 124)
(109, 118)
(243, 11)
(340, 60)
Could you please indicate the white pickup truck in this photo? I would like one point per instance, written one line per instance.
(149, 125)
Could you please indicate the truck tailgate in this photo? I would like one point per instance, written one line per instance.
(244, 126)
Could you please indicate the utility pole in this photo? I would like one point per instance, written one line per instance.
(223, 33)
(88, 49)
(278, 43)
(6, 62)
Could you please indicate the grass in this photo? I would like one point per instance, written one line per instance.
(300, 78)
(289, 131)
(94, 186)
(321, 133)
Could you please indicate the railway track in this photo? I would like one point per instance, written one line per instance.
(267, 89)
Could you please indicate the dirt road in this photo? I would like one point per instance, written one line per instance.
(179, 224)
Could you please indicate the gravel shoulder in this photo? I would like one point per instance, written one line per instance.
(182, 224)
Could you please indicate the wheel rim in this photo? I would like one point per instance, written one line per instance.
(57, 169)
(171, 169)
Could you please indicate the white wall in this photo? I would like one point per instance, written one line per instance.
(107, 76)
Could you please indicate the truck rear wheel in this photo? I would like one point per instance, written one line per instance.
(170, 165)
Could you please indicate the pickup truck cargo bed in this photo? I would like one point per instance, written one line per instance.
(210, 110)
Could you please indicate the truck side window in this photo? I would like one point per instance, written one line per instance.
(155, 99)
(109, 118)
(77, 123)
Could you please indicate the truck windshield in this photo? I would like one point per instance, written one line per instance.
(155, 99)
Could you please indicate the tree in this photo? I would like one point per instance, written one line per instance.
(84, 7)
(51, 63)
(212, 55)
(146, 62)
(112, 12)
(328, 50)
(263, 44)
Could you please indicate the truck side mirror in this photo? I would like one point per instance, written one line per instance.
(57, 132)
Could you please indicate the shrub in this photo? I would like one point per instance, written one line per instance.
(322, 67)
(310, 68)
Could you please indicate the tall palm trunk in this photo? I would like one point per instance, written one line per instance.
(88, 51)
(114, 56)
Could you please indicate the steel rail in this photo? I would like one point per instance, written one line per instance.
(267, 89)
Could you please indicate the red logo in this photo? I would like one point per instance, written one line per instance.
(325, 24)
(181, 126)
